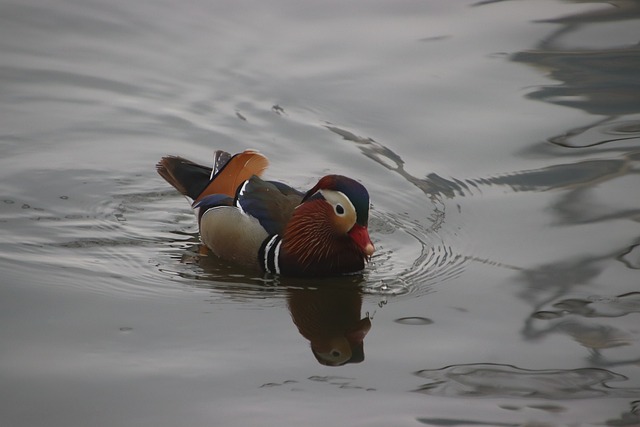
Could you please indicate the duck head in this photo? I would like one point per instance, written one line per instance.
(327, 232)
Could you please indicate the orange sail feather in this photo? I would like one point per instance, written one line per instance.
(240, 167)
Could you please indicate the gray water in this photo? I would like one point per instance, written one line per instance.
(500, 143)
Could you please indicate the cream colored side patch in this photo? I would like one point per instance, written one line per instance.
(231, 235)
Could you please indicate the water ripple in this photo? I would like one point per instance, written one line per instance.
(602, 132)
(407, 263)
(507, 381)
(411, 258)
(98, 228)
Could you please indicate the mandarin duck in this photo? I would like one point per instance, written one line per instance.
(269, 225)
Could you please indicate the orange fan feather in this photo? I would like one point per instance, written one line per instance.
(240, 167)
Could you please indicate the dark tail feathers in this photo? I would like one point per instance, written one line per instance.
(187, 177)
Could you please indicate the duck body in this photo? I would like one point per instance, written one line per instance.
(269, 225)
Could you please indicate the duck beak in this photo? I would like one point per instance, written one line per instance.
(360, 235)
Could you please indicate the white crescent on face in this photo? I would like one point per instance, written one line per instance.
(344, 213)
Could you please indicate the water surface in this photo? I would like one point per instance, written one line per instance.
(499, 141)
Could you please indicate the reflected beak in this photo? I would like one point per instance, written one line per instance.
(359, 331)
(360, 235)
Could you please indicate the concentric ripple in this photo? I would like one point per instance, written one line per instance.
(415, 248)
(134, 237)
(86, 232)
(411, 257)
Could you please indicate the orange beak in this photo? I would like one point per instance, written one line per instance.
(360, 235)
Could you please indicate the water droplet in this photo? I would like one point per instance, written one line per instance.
(415, 320)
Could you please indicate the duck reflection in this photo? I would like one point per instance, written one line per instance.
(327, 312)
(329, 317)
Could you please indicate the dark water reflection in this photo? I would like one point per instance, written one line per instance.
(602, 82)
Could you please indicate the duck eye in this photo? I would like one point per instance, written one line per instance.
(339, 209)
